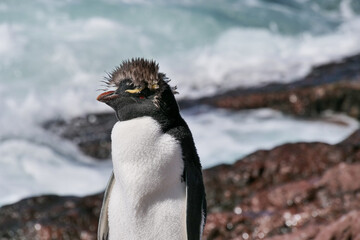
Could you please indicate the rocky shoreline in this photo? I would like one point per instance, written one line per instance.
(294, 191)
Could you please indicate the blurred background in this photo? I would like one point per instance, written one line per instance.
(54, 55)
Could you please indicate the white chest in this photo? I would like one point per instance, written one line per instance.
(148, 198)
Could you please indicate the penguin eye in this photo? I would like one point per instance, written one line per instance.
(140, 92)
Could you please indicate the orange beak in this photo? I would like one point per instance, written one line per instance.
(107, 96)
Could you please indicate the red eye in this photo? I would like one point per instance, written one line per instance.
(141, 97)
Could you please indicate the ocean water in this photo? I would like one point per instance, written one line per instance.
(55, 53)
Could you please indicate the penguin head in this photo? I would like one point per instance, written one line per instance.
(139, 90)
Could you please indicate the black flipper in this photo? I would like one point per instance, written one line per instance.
(103, 228)
(196, 202)
(195, 190)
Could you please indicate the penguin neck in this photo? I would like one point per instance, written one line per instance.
(168, 114)
(167, 120)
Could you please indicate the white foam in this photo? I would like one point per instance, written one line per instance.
(346, 9)
(223, 136)
(33, 169)
(249, 57)
(5, 39)
(88, 29)
(33, 161)
(11, 42)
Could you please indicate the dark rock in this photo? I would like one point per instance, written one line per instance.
(294, 191)
(345, 228)
(334, 86)
(346, 70)
(262, 169)
(51, 217)
(352, 141)
(91, 133)
(305, 102)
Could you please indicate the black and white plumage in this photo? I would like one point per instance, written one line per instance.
(156, 190)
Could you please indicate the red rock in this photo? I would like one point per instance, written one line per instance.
(306, 233)
(287, 163)
(341, 179)
(345, 228)
(289, 192)
(334, 86)
(51, 217)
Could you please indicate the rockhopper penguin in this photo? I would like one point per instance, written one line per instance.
(156, 190)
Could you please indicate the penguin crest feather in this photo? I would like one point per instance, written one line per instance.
(143, 74)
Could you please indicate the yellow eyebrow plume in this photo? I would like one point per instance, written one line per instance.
(154, 86)
(136, 90)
